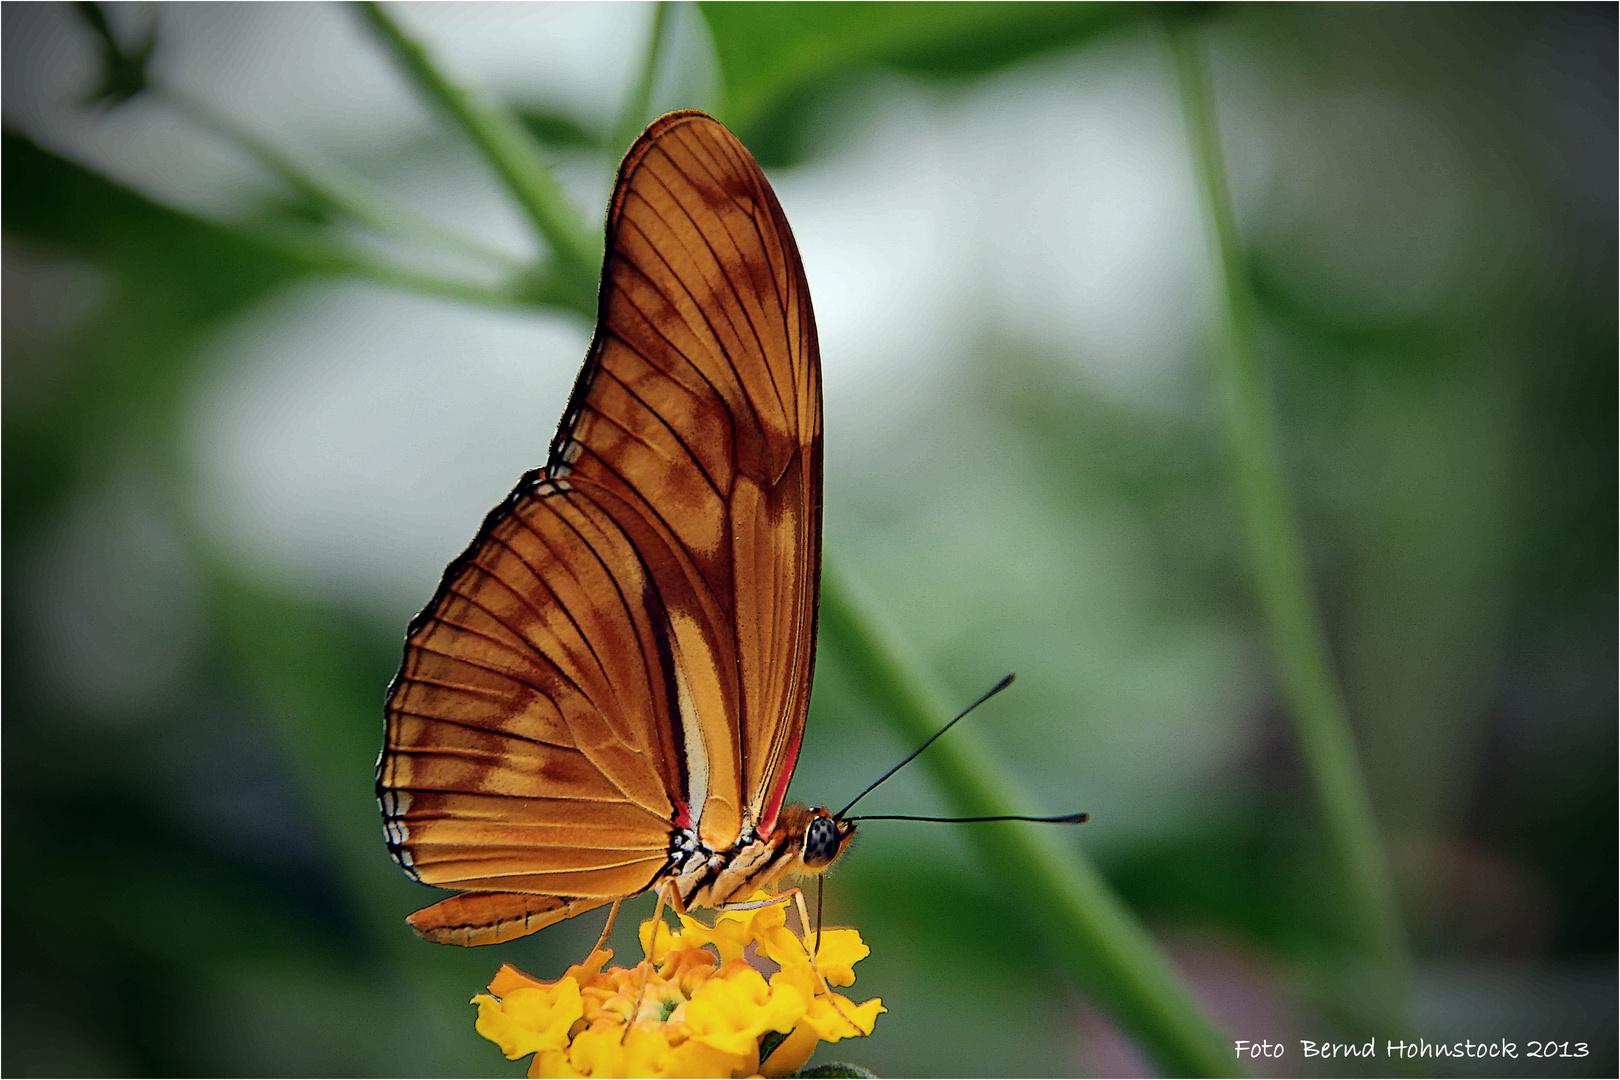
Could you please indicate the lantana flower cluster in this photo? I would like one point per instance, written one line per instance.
(705, 1009)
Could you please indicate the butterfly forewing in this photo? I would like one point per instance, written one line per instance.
(626, 648)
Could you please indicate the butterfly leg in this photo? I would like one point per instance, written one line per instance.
(804, 942)
(667, 894)
(601, 942)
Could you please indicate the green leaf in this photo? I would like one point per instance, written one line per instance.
(769, 51)
(769, 1042)
(173, 277)
(835, 1068)
(558, 130)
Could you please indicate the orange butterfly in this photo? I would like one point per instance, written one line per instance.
(607, 692)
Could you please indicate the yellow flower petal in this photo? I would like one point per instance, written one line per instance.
(667, 939)
(763, 918)
(833, 1024)
(509, 979)
(782, 945)
(729, 936)
(730, 1013)
(697, 1058)
(597, 1051)
(553, 1063)
(583, 973)
(530, 1019)
(840, 951)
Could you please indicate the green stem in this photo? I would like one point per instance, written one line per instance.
(633, 117)
(332, 188)
(1095, 935)
(320, 252)
(1280, 575)
(513, 153)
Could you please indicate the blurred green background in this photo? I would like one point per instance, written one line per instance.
(241, 441)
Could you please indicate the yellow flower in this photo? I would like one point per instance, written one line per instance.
(704, 1010)
(530, 1018)
(731, 1012)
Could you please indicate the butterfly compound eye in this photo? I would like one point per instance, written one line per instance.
(823, 840)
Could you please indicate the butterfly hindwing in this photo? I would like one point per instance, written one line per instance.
(508, 738)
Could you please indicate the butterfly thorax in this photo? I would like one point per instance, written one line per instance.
(803, 841)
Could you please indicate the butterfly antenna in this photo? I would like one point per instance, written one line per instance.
(1059, 819)
(1005, 682)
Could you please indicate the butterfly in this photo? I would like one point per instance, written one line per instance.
(607, 692)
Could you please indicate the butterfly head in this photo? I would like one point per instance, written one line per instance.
(811, 838)
(825, 838)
